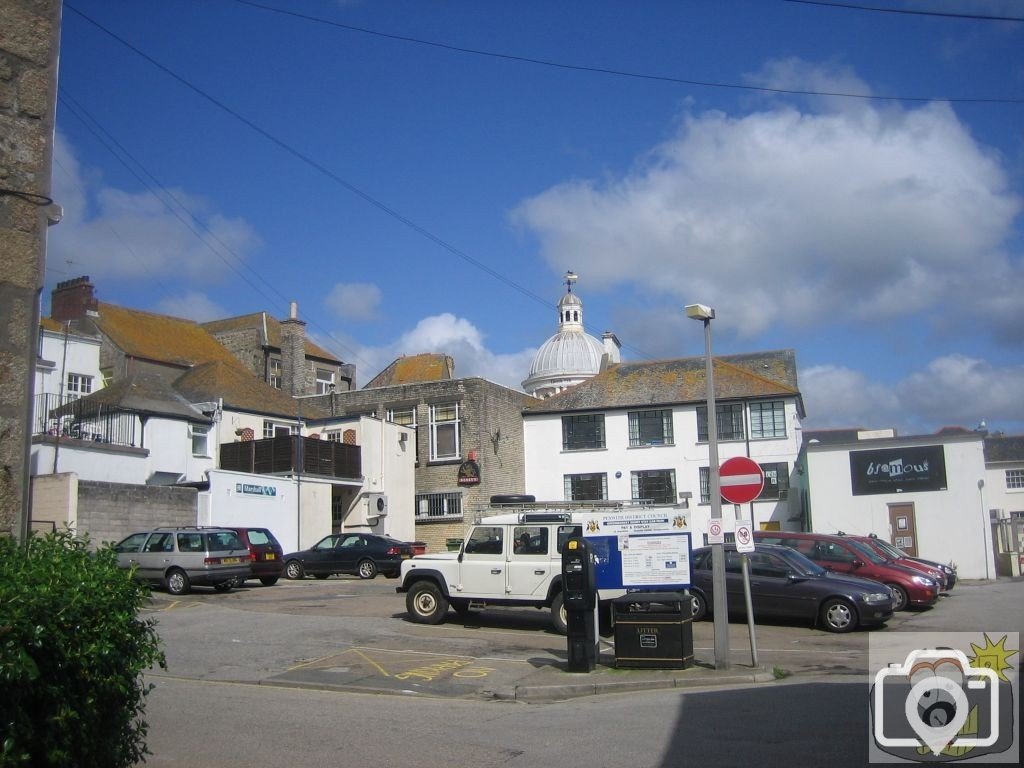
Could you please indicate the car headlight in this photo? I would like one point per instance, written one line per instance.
(877, 597)
(923, 581)
(946, 569)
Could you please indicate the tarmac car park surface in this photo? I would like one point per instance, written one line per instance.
(344, 633)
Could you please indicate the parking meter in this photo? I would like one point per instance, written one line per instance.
(579, 596)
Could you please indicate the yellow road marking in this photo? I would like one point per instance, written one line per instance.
(371, 661)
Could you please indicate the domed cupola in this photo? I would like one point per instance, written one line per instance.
(568, 357)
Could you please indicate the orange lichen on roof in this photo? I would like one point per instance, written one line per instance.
(242, 391)
(260, 322)
(160, 338)
(49, 324)
(428, 366)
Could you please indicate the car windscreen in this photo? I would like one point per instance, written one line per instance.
(800, 564)
(261, 538)
(223, 541)
(868, 552)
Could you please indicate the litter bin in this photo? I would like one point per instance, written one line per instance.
(453, 544)
(653, 630)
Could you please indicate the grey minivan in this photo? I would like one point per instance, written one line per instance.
(178, 558)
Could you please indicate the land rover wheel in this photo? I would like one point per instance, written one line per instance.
(425, 603)
(559, 621)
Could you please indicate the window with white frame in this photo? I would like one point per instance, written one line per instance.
(654, 486)
(438, 506)
(583, 431)
(78, 385)
(274, 372)
(404, 416)
(200, 440)
(767, 420)
(324, 380)
(705, 485)
(729, 421)
(586, 487)
(650, 428)
(444, 431)
(278, 429)
(1014, 479)
(332, 436)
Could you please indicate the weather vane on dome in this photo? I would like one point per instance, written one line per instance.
(570, 278)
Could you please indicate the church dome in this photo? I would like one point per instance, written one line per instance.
(568, 357)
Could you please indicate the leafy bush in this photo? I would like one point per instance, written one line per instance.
(72, 654)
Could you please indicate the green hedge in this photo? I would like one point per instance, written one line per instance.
(72, 653)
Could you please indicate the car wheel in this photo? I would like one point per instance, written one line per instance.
(176, 582)
(699, 605)
(425, 603)
(224, 586)
(837, 615)
(293, 570)
(366, 569)
(901, 597)
(268, 581)
(559, 619)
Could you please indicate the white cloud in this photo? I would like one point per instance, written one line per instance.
(112, 234)
(354, 301)
(954, 390)
(866, 213)
(454, 336)
(192, 305)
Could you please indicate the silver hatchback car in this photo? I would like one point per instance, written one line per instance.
(178, 558)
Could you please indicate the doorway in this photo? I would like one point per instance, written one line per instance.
(903, 527)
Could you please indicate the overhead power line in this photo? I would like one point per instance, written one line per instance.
(908, 11)
(316, 165)
(624, 73)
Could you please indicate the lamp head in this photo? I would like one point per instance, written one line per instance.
(700, 312)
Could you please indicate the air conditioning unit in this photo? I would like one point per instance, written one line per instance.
(377, 505)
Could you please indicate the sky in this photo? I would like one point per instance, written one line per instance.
(419, 177)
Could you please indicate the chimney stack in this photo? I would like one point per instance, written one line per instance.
(294, 376)
(71, 299)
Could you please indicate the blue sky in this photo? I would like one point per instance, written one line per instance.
(420, 176)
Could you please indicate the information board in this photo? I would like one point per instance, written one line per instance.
(648, 549)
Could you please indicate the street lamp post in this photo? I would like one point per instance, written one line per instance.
(720, 605)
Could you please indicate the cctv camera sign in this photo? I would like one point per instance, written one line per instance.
(898, 470)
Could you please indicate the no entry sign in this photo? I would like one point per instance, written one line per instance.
(741, 480)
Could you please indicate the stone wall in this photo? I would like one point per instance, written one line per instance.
(108, 512)
(28, 82)
(491, 428)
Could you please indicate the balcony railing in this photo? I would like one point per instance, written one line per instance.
(69, 417)
(281, 456)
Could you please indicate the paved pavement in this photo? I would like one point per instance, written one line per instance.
(344, 634)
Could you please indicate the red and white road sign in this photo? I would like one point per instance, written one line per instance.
(716, 535)
(741, 480)
(744, 536)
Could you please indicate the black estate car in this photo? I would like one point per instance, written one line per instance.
(785, 584)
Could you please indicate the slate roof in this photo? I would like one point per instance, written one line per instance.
(269, 329)
(414, 369)
(160, 338)
(1004, 448)
(241, 391)
(141, 392)
(682, 380)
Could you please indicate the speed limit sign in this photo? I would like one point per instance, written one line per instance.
(715, 533)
